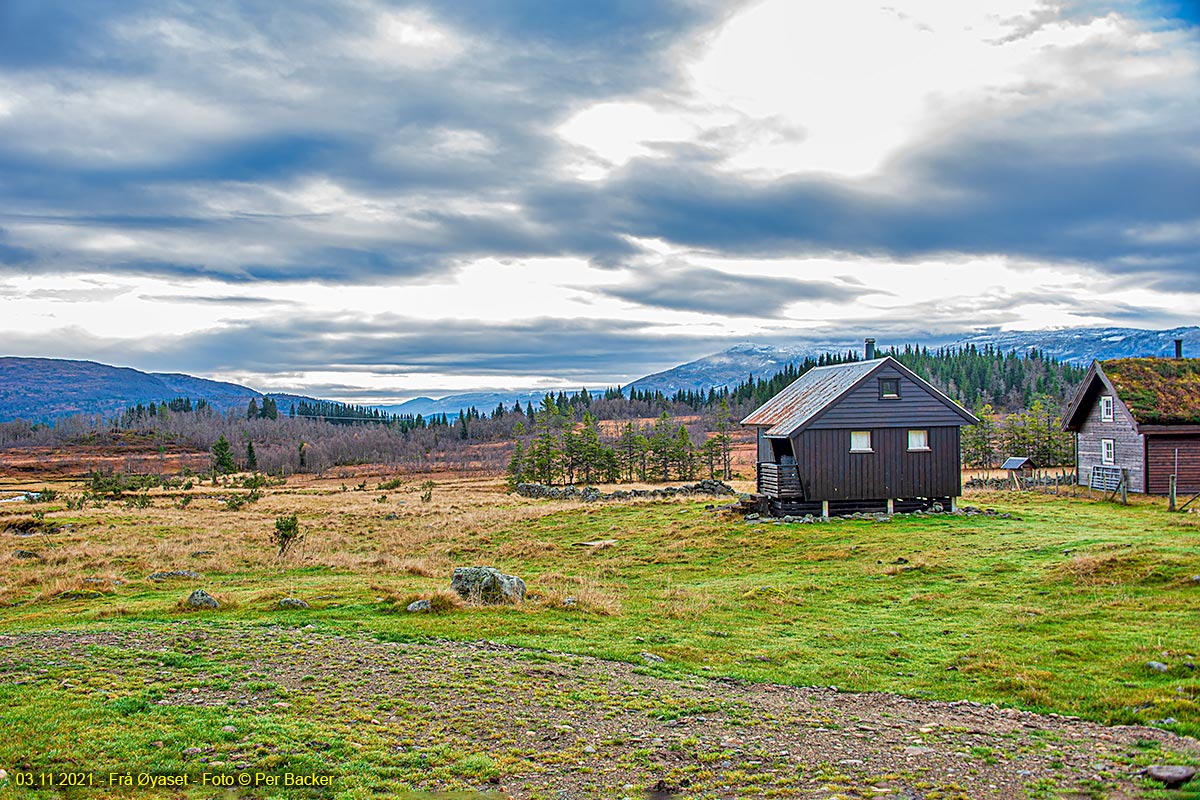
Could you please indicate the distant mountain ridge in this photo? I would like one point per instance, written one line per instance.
(43, 389)
(1075, 345)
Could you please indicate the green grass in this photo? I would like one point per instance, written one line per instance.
(1055, 610)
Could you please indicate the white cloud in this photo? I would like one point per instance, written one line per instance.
(407, 39)
(788, 87)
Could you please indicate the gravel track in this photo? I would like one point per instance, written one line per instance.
(566, 726)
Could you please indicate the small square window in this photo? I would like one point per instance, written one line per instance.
(1106, 408)
(918, 440)
(1108, 452)
(889, 388)
(860, 442)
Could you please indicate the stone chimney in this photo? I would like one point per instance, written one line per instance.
(1179, 348)
(870, 343)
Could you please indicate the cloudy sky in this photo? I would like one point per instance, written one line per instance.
(371, 200)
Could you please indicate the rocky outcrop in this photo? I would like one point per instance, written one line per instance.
(590, 494)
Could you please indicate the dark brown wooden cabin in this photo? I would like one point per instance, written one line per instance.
(1138, 419)
(868, 435)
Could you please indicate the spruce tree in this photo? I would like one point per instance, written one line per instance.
(222, 455)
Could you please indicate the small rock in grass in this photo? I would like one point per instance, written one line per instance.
(202, 599)
(1157, 666)
(650, 658)
(229, 729)
(26, 554)
(1170, 775)
(417, 606)
(569, 602)
(292, 602)
(589, 749)
(175, 573)
(917, 751)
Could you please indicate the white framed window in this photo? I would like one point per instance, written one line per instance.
(860, 442)
(918, 440)
(1108, 452)
(1106, 408)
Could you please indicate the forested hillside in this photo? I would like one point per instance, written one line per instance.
(1019, 396)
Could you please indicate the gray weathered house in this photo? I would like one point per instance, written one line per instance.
(866, 435)
(1138, 420)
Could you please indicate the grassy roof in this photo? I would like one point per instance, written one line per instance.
(1158, 391)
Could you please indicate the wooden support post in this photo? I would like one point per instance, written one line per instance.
(1124, 487)
(891, 506)
(825, 509)
(953, 504)
(1171, 494)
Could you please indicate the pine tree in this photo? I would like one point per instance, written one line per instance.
(683, 453)
(979, 440)
(222, 455)
(662, 445)
(724, 440)
(251, 457)
(627, 450)
(591, 452)
(517, 465)
(252, 409)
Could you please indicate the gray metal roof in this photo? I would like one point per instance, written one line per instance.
(806, 396)
(1016, 462)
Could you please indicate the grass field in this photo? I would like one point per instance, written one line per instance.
(1056, 609)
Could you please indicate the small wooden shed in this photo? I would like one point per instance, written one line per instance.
(863, 436)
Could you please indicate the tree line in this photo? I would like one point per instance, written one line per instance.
(1034, 432)
(560, 450)
(1016, 394)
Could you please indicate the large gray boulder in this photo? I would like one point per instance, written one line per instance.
(202, 599)
(487, 585)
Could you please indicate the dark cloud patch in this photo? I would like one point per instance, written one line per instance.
(11, 256)
(701, 289)
(574, 351)
(35, 33)
(1060, 198)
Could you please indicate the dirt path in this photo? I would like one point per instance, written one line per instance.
(561, 726)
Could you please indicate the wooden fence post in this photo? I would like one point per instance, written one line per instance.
(1171, 495)
(1124, 487)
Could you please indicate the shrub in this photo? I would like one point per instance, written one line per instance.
(287, 533)
(140, 500)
